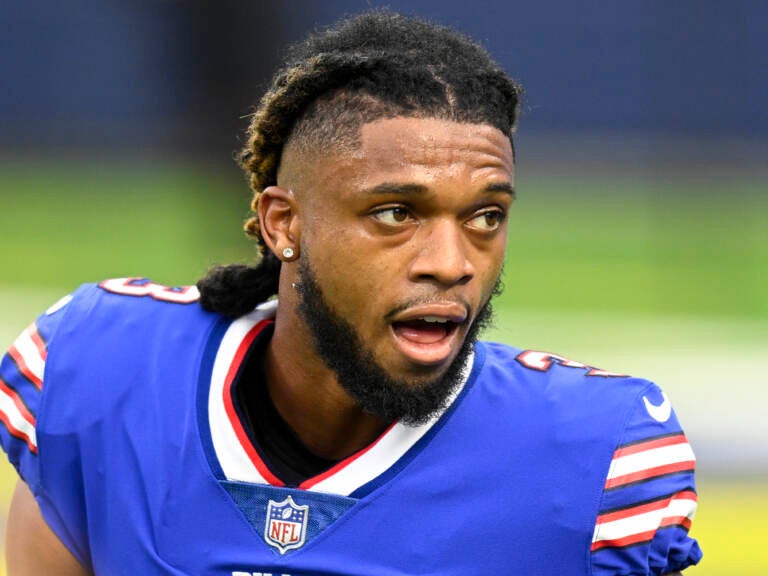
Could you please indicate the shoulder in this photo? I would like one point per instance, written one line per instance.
(633, 416)
(576, 408)
(575, 414)
(626, 430)
(559, 383)
(84, 331)
(125, 306)
(126, 324)
(537, 364)
(132, 295)
(86, 370)
(121, 296)
(146, 288)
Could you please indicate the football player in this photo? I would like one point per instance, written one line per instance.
(354, 424)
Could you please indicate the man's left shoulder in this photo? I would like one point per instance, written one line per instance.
(554, 373)
(555, 389)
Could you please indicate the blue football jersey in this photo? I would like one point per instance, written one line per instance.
(117, 407)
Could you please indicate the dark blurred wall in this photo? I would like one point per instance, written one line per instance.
(92, 72)
(159, 75)
(234, 47)
(139, 76)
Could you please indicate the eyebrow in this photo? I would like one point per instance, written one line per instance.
(501, 187)
(418, 189)
(395, 188)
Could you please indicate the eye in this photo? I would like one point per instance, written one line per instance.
(393, 215)
(488, 221)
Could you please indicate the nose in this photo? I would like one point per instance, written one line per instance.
(442, 255)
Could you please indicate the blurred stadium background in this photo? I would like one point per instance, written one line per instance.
(640, 239)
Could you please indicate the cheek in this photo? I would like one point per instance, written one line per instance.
(357, 275)
(490, 265)
(352, 273)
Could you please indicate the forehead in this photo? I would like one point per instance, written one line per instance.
(401, 143)
(428, 152)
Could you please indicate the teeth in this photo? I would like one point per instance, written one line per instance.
(435, 319)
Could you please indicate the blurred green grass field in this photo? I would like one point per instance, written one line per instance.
(650, 246)
(604, 247)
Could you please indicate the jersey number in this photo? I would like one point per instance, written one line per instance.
(543, 361)
(144, 287)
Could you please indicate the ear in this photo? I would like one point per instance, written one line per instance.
(279, 220)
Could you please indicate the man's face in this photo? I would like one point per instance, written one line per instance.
(371, 385)
(403, 240)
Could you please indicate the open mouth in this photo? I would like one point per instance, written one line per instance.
(426, 330)
(429, 335)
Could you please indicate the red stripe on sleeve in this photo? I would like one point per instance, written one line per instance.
(40, 344)
(626, 541)
(13, 352)
(641, 537)
(15, 432)
(681, 521)
(685, 466)
(25, 413)
(632, 511)
(650, 445)
(647, 507)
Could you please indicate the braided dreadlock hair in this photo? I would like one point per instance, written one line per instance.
(376, 65)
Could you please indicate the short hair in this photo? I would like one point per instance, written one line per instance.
(376, 65)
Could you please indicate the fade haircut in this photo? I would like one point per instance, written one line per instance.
(373, 66)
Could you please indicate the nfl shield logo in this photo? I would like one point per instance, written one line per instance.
(286, 527)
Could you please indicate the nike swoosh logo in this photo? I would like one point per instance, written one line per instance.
(660, 413)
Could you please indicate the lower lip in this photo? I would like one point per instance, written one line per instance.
(423, 349)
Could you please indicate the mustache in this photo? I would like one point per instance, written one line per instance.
(426, 300)
(498, 288)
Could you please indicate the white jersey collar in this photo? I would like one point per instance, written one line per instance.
(235, 452)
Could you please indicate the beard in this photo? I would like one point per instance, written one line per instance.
(376, 392)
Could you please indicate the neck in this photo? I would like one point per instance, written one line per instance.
(308, 396)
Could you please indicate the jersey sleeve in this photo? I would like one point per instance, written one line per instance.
(22, 370)
(649, 497)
